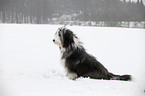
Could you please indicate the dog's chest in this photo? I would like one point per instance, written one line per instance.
(62, 61)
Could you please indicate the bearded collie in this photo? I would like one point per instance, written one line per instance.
(77, 62)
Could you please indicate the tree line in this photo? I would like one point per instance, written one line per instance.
(43, 11)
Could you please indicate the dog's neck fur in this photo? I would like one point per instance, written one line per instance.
(66, 52)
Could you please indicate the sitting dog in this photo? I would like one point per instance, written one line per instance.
(77, 62)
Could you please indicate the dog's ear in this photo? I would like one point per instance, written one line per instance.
(68, 38)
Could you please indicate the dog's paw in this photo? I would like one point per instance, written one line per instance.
(72, 76)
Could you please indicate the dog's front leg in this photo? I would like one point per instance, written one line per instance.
(71, 76)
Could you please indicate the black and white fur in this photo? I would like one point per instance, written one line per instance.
(77, 62)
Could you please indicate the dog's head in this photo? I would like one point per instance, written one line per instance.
(64, 38)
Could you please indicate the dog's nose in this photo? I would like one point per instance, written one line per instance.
(53, 40)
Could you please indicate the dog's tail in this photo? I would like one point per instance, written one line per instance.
(120, 77)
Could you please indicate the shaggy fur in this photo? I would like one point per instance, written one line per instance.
(77, 62)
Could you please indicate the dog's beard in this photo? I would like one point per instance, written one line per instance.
(57, 40)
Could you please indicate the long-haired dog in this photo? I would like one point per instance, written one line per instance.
(77, 62)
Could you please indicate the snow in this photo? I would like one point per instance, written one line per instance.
(30, 62)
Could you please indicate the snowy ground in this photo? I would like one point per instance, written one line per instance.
(30, 62)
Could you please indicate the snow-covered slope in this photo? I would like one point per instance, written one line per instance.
(30, 62)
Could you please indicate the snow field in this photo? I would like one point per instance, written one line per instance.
(30, 62)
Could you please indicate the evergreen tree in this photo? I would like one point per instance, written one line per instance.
(142, 2)
(138, 2)
(42, 11)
